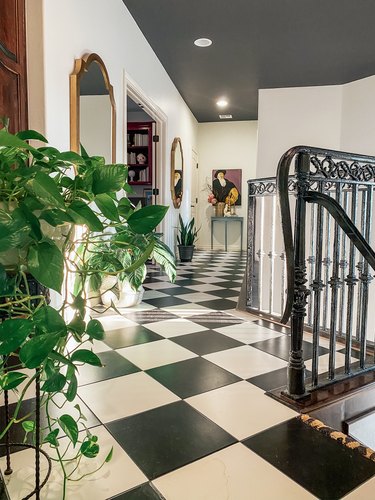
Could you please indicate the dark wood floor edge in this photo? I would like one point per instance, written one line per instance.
(338, 436)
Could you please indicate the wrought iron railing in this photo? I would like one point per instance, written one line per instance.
(318, 273)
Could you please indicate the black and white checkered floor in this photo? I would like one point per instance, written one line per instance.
(181, 399)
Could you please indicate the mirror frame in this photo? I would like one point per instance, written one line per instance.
(175, 144)
(81, 66)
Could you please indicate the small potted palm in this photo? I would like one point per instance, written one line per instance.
(186, 236)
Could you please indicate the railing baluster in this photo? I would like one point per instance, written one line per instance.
(334, 283)
(359, 266)
(272, 254)
(351, 281)
(365, 278)
(251, 235)
(296, 366)
(283, 274)
(311, 261)
(343, 265)
(261, 254)
(326, 263)
(317, 287)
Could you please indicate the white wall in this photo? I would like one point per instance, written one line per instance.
(73, 28)
(358, 123)
(290, 117)
(224, 145)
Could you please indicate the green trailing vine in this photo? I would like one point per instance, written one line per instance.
(57, 211)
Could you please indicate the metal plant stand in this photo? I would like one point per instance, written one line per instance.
(38, 451)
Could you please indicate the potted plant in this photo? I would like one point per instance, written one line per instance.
(53, 207)
(186, 236)
(118, 282)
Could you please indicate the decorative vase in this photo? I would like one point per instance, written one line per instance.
(219, 209)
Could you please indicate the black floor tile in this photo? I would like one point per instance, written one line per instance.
(273, 326)
(189, 282)
(320, 464)
(165, 438)
(167, 301)
(144, 317)
(225, 293)
(130, 335)
(192, 376)
(178, 290)
(114, 365)
(145, 491)
(215, 319)
(272, 380)
(227, 284)
(280, 347)
(219, 304)
(17, 433)
(206, 342)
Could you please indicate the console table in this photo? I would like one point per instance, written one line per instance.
(226, 221)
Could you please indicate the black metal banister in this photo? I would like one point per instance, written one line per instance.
(331, 171)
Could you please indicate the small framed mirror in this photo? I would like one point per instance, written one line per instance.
(92, 109)
(177, 172)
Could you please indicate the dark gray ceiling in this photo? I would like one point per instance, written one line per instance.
(257, 44)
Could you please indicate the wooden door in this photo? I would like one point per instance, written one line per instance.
(13, 89)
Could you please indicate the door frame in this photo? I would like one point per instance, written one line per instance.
(134, 91)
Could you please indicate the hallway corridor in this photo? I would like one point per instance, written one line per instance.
(181, 399)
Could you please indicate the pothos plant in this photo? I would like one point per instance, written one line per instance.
(121, 250)
(54, 207)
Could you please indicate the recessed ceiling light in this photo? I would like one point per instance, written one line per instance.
(222, 103)
(225, 117)
(203, 42)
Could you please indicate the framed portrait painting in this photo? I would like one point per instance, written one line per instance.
(226, 185)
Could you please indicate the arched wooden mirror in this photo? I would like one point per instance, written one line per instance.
(92, 109)
(177, 172)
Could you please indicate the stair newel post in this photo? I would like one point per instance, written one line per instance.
(296, 366)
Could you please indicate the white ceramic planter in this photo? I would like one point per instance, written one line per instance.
(128, 296)
(108, 292)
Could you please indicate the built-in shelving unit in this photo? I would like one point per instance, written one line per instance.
(139, 140)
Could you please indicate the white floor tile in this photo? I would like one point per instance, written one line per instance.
(235, 473)
(99, 346)
(186, 310)
(175, 327)
(115, 322)
(153, 354)
(248, 332)
(246, 361)
(324, 359)
(119, 475)
(123, 396)
(211, 279)
(197, 297)
(241, 409)
(154, 294)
